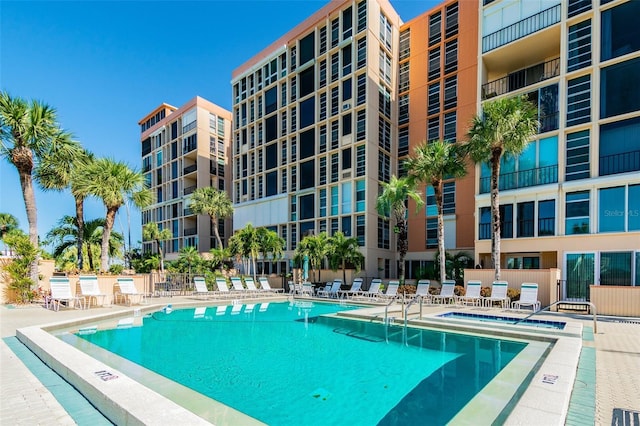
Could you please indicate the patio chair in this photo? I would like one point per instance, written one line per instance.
(223, 288)
(238, 287)
(306, 289)
(332, 292)
(422, 290)
(127, 291)
(221, 309)
(265, 286)
(356, 288)
(251, 285)
(446, 292)
(392, 291)
(374, 290)
(472, 295)
(249, 308)
(324, 291)
(201, 287)
(236, 309)
(61, 292)
(498, 294)
(528, 297)
(90, 290)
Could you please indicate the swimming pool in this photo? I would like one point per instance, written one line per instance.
(558, 325)
(283, 363)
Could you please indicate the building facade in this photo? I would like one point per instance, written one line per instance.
(572, 199)
(183, 149)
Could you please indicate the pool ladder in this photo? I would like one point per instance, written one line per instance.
(388, 320)
(566, 302)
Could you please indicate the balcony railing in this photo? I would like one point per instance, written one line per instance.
(189, 169)
(190, 231)
(187, 212)
(189, 189)
(521, 78)
(522, 28)
(522, 179)
(620, 163)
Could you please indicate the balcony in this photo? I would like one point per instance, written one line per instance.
(620, 163)
(522, 78)
(188, 147)
(190, 231)
(187, 212)
(522, 179)
(189, 189)
(190, 169)
(522, 28)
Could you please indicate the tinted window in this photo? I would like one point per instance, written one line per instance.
(620, 30)
(620, 88)
(271, 156)
(307, 112)
(307, 144)
(307, 174)
(271, 128)
(306, 48)
(306, 79)
(306, 206)
(270, 100)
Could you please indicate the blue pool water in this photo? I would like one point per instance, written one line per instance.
(505, 320)
(284, 364)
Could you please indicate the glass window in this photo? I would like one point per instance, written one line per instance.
(306, 48)
(434, 99)
(347, 22)
(577, 213)
(360, 195)
(619, 147)
(405, 44)
(611, 211)
(271, 128)
(307, 112)
(346, 197)
(579, 49)
(620, 30)
(271, 100)
(323, 202)
(506, 221)
(383, 233)
(575, 7)
(546, 217)
(432, 233)
(307, 144)
(525, 219)
(484, 225)
(307, 83)
(435, 28)
(360, 230)
(577, 157)
(346, 60)
(347, 89)
(434, 64)
(451, 56)
(634, 211)
(334, 200)
(451, 23)
(307, 208)
(579, 100)
(615, 268)
(620, 87)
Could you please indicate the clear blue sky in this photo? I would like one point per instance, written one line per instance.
(106, 64)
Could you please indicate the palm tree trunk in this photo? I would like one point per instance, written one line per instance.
(214, 224)
(106, 234)
(90, 257)
(437, 191)
(80, 225)
(161, 254)
(403, 247)
(23, 160)
(495, 212)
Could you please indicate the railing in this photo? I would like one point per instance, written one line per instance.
(406, 319)
(188, 190)
(566, 302)
(522, 28)
(549, 122)
(189, 169)
(171, 284)
(187, 212)
(522, 179)
(574, 290)
(188, 147)
(521, 78)
(620, 163)
(190, 231)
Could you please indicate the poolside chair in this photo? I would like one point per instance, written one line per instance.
(472, 295)
(238, 288)
(236, 309)
(127, 291)
(498, 294)
(249, 308)
(201, 287)
(374, 290)
(392, 291)
(356, 288)
(61, 292)
(306, 289)
(251, 285)
(333, 290)
(528, 297)
(264, 284)
(446, 292)
(324, 291)
(90, 290)
(223, 288)
(422, 290)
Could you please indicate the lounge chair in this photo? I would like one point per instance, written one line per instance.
(127, 291)
(61, 292)
(498, 294)
(307, 289)
(392, 290)
(374, 290)
(249, 308)
(446, 292)
(238, 287)
(251, 285)
(201, 287)
(528, 297)
(333, 290)
(264, 284)
(422, 290)
(223, 288)
(356, 288)
(472, 295)
(324, 291)
(236, 309)
(90, 290)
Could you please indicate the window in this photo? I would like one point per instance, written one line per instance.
(620, 87)
(579, 100)
(577, 157)
(450, 92)
(271, 154)
(335, 168)
(433, 69)
(577, 213)
(435, 28)
(307, 175)
(620, 147)
(432, 233)
(434, 99)
(362, 89)
(385, 31)
(546, 217)
(334, 134)
(334, 200)
(383, 233)
(362, 15)
(322, 49)
(405, 44)
(360, 196)
(620, 30)
(322, 198)
(611, 216)
(346, 198)
(307, 112)
(270, 100)
(323, 106)
(633, 212)
(576, 7)
(362, 53)
(449, 198)
(433, 128)
(360, 160)
(335, 101)
(347, 90)
(403, 109)
(346, 124)
(449, 130)
(307, 144)
(403, 77)
(271, 128)
(579, 48)
(450, 56)
(347, 23)
(385, 66)
(335, 32)
(307, 84)
(546, 99)
(384, 101)
(384, 167)
(322, 80)
(506, 221)
(323, 170)
(360, 230)
(484, 224)
(306, 48)
(451, 24)
(525, 219)
(384, 134)
(346, 60)
(403, 141)
(323, 139)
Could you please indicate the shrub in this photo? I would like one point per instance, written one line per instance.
(16, 272)
(116, 269)
(459, 290)
(513, 294)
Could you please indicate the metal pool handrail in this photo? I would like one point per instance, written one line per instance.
(406, 315)
(564, 302)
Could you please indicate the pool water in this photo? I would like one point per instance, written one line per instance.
(283, 363)
(558, 325)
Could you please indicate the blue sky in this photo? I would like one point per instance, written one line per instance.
(105, 64)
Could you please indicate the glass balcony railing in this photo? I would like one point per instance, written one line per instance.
(190, 231)
(521, 78)
(522, 179)
(187, 212)
(620, 163)
(189, 169)
(189, 190)
(522, 28)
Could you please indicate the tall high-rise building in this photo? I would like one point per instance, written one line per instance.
(315, 127)
(572, 199)
(183, 149)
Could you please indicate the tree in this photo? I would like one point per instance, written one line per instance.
(8, 223)
(393, 202)
(342, 251)
(245, 246)
(189, 257)
(28, 131)
(432, 163)
(151, 232)
(213, 202)
(218, 257)
(16, 272)
(504, 127)
(113, 182)
(269, 242)
(316, 247)
(58, 171)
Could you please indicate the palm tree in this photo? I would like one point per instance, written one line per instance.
(342, 251)
(270, 243)
(218, 256)
(504, 127)
(28, 130)
(244, 245)
(151, 232)
(190, 257)
(213, 202)
(393, 202)
(59, 171)
(8, 223)
(432, 163)
(316, 247)
(114, 183)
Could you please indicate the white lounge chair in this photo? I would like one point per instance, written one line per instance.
(498, 294)
(249, 308)
(374, 290)
(528, 297)
(236, 309)
(446, 292)
(356, 289)
(90, 290)
(392, 290)
(472, 294)
(264, 284)
(422, 290)
(201, 287)
(333, 290)
(127, 291)
(61, 292)
(251, 285)
(238, 287)
(307, 289)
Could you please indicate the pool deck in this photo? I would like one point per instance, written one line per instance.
(26, 400)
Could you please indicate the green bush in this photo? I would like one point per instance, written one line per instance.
(16, 272)
(116, 269)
